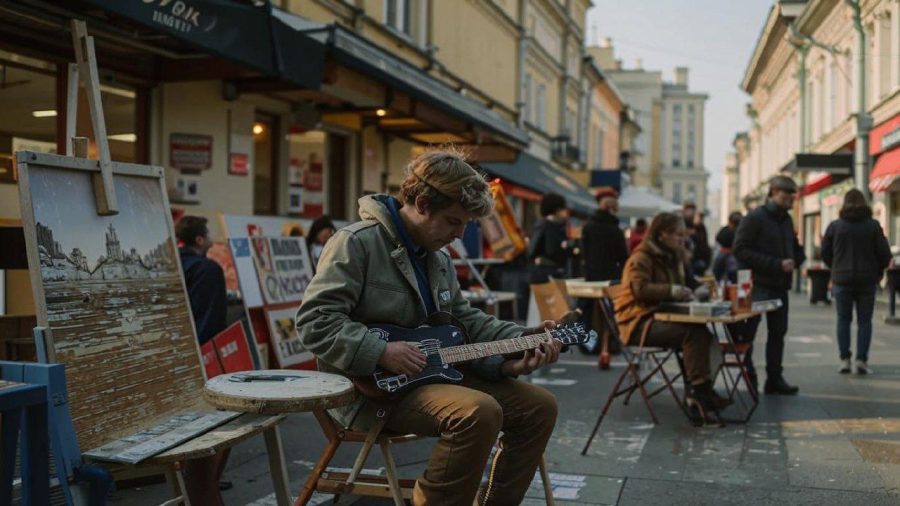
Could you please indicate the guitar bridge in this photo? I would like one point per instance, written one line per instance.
(391, 384)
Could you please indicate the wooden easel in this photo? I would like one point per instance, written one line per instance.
(132, 404)
(85, 70)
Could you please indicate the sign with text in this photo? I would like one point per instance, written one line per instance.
(190, 151)
(283, 268)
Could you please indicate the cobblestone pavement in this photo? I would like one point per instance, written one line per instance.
(838, 442)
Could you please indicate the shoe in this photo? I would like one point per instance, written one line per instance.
(845, 366)
(861, 367)
(778, 386)
(708, 398)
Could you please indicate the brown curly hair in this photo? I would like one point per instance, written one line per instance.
(444, 177)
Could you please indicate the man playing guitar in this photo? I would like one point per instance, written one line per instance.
(388, 268)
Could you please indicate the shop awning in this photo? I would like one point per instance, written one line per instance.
(540, 176)
(815, 183)
(886, 170)
(239, 31)
(354, 51)
(643, 202)
(837, 164)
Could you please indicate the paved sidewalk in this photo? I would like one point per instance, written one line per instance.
(838, 442)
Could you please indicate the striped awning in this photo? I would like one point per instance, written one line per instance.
(886, 170)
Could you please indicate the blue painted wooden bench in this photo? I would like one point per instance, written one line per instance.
(40, 403)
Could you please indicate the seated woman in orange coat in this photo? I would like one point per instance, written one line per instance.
(655, 273)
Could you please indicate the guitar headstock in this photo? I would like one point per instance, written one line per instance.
(572, 333)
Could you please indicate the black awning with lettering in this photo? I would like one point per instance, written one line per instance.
(241, 31)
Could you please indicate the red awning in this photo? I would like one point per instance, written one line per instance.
(886, 170)
(815, 184)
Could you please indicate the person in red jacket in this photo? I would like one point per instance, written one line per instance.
(637, 234)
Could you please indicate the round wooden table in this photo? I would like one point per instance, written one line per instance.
(272, 392)
(280, 391)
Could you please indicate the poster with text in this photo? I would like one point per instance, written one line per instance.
(283, 268)
(285, 341)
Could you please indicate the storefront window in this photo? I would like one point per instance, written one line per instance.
(306, 172)
(265, 165)
(28, 102)
(122, 124)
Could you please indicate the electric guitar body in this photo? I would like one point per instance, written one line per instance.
(444, 345)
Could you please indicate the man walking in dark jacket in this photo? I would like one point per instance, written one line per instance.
(603, 242)
(765, 242)
(855, 248)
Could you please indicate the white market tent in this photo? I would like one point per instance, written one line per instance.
(643, 202)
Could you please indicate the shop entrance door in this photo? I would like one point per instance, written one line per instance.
(338, 180)
(265, 164)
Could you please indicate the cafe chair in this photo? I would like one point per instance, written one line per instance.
(637, 359)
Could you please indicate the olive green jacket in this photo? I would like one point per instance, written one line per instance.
(365, 277)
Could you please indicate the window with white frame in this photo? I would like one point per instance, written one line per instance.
(676, 192)
(886, 57)
(571, 126)
(598, 152)
(834, 118)
(676, 135)
(526, 98)
(397, 15)
(541, 103)
(691, 132)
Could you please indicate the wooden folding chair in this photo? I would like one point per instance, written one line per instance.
(550, 297)
(635, 356)
(357, 483)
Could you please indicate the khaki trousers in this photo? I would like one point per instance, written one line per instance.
(467, 419)
(694, 341)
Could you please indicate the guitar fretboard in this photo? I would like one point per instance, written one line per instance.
(474, 351)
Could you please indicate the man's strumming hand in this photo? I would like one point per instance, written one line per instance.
(402, 357)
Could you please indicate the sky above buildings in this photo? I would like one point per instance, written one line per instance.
(714, 38)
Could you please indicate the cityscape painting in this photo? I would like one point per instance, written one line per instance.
(114, 300)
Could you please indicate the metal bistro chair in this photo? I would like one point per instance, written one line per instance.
(635, 356)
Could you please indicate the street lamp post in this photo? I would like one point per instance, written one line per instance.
(863, 120)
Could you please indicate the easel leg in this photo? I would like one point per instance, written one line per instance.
(277, 466)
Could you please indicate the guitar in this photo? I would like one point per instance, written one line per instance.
(443, 346)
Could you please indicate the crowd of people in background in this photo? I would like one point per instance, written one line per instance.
(661, 262)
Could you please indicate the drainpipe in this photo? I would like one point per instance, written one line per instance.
(863, 120)
(521, 99)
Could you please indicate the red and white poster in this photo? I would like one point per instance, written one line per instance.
(313, 177)
(233, 349)
(210, 360)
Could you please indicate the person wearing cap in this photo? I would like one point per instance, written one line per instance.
(549, 248)
(389, 268)
(765, 242)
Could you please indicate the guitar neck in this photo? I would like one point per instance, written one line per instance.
(469, 352)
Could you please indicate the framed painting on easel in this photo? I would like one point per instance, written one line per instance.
(110, 292)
